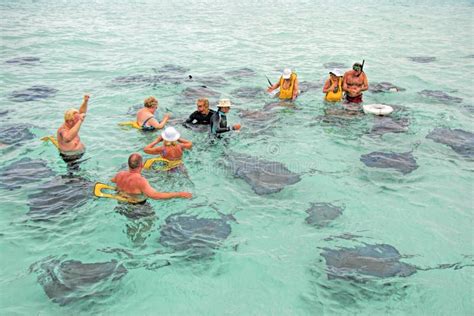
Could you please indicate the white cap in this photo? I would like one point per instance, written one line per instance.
(336, 72)
(170, 134)
(286, 73)
(224, 103)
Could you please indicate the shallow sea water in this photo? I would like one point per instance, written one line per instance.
(270, 264)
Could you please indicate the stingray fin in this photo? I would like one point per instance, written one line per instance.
(98, 191)
(52, 139)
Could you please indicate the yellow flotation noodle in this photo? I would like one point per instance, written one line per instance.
(98, 187)
(52, 139)
(161, 164)
(133, 124)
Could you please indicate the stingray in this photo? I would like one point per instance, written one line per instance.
(200, 92)
(469, 56)
(213, 81)
(171, 68)
(199, 236)
(278, 104)
(65, 282)
(384, 87)
(306, 86)
(385, 124)
(257, 116)
(247, 92)
(24, 171)
(368, 261)
(459, 140)
(422, 59)
(241, 73)
(60, 195)
(15, 134)
(27, 60)
(321, 214)
(332, 65)
(136, 80)
(263, 176)
(440, 96)
(33, 93)
(402, 162)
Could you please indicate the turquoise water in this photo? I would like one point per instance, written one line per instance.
(271, 263)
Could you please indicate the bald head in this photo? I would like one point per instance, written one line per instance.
(135, 161)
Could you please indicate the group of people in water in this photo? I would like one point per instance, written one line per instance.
(131, 185)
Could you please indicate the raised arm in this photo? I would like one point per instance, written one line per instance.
(186, 144)
(152, 193)
(274, 86)
(72, 133)
(151, 149)
(83, 108)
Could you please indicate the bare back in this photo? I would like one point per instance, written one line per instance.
(144, 114)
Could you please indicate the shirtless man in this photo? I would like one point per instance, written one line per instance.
(69, 144)
(288, 85)
(133, 185)
(203, 114)
(146, 116)
(173, 145)
(354, 83)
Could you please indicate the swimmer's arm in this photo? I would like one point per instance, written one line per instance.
(215, 125)
(275, 85)
(365, 84)
(151, 149)
(191, 118)
(295, 89)
(152, 193)
(344, 83)
(68, 136)
(83, 108)
(327, 85)
(186, 144)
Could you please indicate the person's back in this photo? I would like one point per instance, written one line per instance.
(129, 183)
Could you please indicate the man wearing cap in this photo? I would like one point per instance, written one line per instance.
(354, 83)
(203, 114)
(69, 144)
(288, 85)
(333, 86)
(132, 184)
(146, 116)
(173, 146)
(219, 119)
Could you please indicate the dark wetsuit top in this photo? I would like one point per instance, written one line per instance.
(147, 128)
(198, 118)
(219, 123)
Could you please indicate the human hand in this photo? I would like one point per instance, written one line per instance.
(236, 127)
(185, 195)
(86, 97)
(166, 116)
(269, 89)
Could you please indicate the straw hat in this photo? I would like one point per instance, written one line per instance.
(224, 103)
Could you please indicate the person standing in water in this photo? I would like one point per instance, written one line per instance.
(219, 119)
(69, 144)
(146, 116)
(203, 114)
(288, 85)
(173, 146)
(133, 185)
(354, 83)
(333, 86)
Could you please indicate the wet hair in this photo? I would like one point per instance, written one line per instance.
(150, 102)
(205, 100)
(69, 114)
(134, 161)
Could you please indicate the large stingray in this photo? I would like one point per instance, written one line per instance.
(278, 104)
(68, 281)
(264, 176)
(338, 116)
(33, 93)
(15, 134)
(210, 80)
(360, 263)
(459, 140)
(199, 236)
(22, 172)
(384, 87)
(241, 73)
(422, 59)
(27, 60)
(60, 195)
(332, 65)
(386, 124)
(306, 86)
(321, 214)
(247, 92)
(402, 162)
(256, 116)
(200, 92)
(440, 96)
(170, 68)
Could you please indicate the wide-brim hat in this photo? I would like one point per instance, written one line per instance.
(286, 73)
(170, 134)
(224, 103)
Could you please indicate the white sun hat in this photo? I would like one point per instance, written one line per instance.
(224, 103)
(286, 73)
(170, 134)
(336, 72)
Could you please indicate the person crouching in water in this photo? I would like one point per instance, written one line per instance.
(333, 86)
(146, 116)
(70, 146)
(172, 149)
(219, 119)
(288, 85)
(203, 115)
